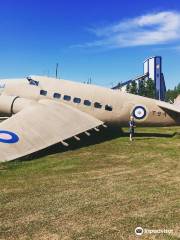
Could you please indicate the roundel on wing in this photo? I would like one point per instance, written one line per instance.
(139, 112)
(8, 137)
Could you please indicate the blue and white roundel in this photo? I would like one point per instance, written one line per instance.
(8, 137)
(139, 112)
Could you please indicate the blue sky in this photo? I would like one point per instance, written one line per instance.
(105, 40)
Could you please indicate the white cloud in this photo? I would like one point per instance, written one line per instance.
(150, 29)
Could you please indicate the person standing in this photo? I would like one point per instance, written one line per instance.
(131, 128)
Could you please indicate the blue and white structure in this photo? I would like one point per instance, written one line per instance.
(153, 68)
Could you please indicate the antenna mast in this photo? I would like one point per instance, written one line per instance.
(57, 67)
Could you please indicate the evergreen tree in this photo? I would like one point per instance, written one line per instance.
(128, 88)
(178, 88)
(142, 88)
(171, 95)
(133, 87)
(150, 88)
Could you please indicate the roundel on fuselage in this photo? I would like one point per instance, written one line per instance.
(139, 112)
(8, 137)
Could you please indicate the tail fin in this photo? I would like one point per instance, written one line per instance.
(177, 101)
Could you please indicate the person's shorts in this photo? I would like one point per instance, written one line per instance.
(131, 130)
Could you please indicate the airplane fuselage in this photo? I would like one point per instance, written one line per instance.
(110, 106)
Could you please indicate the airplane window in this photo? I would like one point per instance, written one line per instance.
(67, 98)
(43, 92)
(97, 105)
(57, 95)
(33, 82)
(87, 103)
(76, 100)
(108, 107)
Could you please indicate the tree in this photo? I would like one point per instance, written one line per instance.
(150, 88)
(133, 87)
(146, 88)
(128, 88)
(172, 94)
(178, 88)
(142, 88)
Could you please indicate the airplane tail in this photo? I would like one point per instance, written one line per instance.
(177, 101)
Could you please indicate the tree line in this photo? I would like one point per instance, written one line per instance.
(172, 94)
(146, 88)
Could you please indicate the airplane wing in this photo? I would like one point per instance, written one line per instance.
(39, 126)
(168, 106)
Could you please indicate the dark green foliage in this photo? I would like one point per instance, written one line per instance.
(146, 88)
(128, 88)
(150, 88)
(172, 94)
(133, 87)
(142, 88)
(178, 87)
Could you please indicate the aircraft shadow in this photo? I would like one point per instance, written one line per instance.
(105, 134)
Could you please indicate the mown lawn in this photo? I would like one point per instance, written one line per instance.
(102, 191)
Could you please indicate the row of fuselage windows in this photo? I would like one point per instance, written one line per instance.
(78, 100)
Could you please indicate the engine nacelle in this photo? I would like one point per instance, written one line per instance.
(13, 104)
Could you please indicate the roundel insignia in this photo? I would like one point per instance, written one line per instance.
(8, 137)
(139, 112)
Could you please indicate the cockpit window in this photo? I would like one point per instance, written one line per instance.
(33, 82)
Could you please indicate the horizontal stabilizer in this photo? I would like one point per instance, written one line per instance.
(168, 106)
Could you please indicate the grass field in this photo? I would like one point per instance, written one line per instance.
(101, 191)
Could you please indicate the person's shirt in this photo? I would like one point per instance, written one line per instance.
(131, 124)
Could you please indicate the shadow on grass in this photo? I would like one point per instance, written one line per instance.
(105, 134)
(153, 135)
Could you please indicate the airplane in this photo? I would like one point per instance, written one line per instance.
(43, 111)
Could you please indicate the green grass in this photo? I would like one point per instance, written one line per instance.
(102, 191)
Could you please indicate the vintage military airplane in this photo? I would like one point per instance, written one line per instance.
(44, 111)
